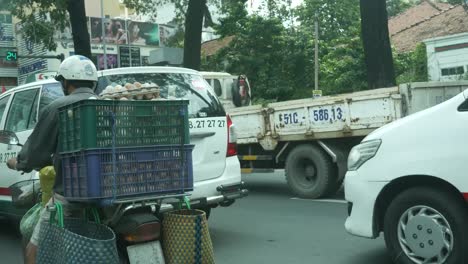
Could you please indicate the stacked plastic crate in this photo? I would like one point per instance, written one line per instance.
(112, 150)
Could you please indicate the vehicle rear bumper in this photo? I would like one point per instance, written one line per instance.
(222, 191)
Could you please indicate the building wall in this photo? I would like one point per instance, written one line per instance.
(8, 68)
(447, 57)
(112, 8)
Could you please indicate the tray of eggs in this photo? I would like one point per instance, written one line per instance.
(132, 91)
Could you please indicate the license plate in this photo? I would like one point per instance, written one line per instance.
(147, 253)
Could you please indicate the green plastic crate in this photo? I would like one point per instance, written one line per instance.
(88, 124)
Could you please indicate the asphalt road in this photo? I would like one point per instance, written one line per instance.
(270, 226)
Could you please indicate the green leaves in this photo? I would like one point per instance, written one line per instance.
(395, 7)
(39, 19)
(278, 55)
(411, 66)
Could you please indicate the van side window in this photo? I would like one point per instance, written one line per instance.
(3, 104)
(22, 115)
(217, 87)
(463, 107)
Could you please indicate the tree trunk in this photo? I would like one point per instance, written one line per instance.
(81, 40)
(193, 33)
(376, 42)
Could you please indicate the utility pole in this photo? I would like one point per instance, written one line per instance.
(316, 52)
(104, 47)
(128, 38)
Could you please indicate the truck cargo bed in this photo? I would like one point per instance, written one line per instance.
(344, 115)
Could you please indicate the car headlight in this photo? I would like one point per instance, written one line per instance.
(362, 153)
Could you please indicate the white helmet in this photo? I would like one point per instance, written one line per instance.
(78, 68)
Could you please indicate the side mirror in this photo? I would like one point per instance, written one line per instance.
(9, 137)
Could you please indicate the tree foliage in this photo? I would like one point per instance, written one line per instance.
(40, 19)
(395, 7)
(277, 54)
(195, 13)
(412, 66)
(33, 14)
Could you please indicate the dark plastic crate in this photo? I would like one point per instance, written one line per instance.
(88, 175)
(88, 124)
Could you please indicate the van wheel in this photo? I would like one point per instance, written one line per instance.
(425, 225)
(309, 172)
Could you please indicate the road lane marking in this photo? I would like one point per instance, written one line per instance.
(321, 200)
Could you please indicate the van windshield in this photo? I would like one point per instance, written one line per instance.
(203, 103)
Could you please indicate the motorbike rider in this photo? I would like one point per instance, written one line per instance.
(78, 76)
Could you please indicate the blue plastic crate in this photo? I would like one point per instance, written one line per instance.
(88, 175)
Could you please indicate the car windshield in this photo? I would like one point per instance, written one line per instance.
(203, 103)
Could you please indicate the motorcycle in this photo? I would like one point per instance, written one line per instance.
(135, 221)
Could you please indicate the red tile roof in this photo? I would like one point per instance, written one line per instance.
(415, 15)
(450, 21)
(213, 46)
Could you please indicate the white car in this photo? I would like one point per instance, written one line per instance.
(217, 177)
(409, 180)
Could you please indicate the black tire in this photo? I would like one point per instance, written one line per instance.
(309, 172)
(336, 186)
(236, 97)
(449, 206)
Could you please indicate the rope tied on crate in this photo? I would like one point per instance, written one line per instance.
(114, 156)
(182, 113)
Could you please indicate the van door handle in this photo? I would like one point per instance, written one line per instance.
(202, 134)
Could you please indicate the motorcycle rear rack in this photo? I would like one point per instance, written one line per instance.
(154, 202)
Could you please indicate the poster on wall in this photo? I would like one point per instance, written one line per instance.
(143, 33)
(144, 61)
(111, 61)
(165, 33)
(125, 57)
(115, 31)
(65, 35)
(96, 29)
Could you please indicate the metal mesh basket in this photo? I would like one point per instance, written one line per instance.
(25, 194)
(95, 176)
(87, 124)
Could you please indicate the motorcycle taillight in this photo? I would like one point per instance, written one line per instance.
(143, 233)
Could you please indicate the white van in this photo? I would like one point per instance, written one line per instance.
(409, 180)
(217, 177)
(233, 91)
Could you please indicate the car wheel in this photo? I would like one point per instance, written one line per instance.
(309, 172)
(425, 225)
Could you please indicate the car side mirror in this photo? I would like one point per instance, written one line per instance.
(9, 138)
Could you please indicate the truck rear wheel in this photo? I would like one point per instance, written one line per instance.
(309, 172)
(426, 225)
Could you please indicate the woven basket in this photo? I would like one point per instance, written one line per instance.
(76, 241)
(186, 238)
